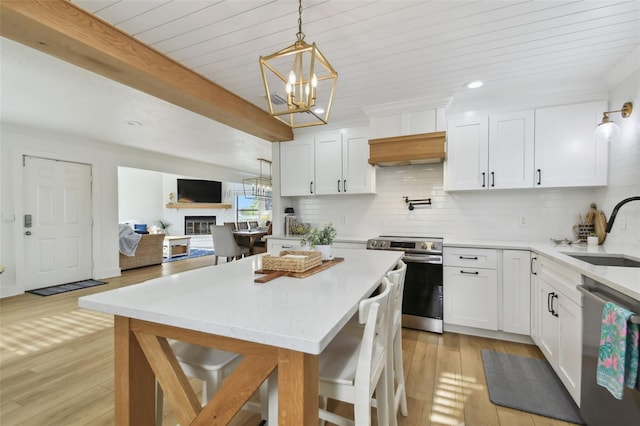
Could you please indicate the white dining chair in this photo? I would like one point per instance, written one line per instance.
(211, 366)
(224, 244)
(395, 368)
(395, 364)
(354, 365)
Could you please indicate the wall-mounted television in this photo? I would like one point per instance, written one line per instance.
(199, 191)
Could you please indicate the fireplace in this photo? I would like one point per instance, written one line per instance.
(198, 225)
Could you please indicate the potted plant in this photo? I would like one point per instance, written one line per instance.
(321, 239)
(164, 226)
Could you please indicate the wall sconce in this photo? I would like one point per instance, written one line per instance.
(608, 130)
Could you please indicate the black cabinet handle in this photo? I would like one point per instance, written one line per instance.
(539, 176)
(483, 176)
(493, 179)
(550, 308)
(469, 273)
(469, 257)
(533, 272)
(344, 185)
(338, 185)
(311, 187)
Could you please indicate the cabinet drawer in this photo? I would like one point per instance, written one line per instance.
(470, 257)
(275, 246)
(562, 278)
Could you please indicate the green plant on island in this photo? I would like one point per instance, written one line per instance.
(322, 236)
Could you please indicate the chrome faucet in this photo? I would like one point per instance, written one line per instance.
(615, 211)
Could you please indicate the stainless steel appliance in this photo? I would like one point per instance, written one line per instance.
(422, 301)
(597, 406)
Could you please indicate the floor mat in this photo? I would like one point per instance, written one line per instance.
(64, 288)
(528, 384)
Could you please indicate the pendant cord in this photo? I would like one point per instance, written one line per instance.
(300, 34)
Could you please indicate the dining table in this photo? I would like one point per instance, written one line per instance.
(280, 327)
(249, 235)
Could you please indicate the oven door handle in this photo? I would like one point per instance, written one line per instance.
(408, 258)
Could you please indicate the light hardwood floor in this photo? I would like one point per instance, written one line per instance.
(56, 366)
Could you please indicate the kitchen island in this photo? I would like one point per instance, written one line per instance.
(284, 324)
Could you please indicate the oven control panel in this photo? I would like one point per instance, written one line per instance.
(406, 244)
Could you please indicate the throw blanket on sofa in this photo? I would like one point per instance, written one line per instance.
(128, 240)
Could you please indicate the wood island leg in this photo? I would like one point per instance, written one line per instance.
(134, 379)
(297, 388)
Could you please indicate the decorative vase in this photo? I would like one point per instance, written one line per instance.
(325, 250)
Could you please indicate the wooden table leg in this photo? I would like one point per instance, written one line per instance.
(297, 388)
(134, 379)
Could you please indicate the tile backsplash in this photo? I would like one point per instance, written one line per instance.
(510, 215)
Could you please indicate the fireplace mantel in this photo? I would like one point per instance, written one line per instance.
(198, 206)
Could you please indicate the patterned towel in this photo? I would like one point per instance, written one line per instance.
(618, 357)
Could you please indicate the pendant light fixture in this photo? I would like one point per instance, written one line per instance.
(299, 82)
(259, 187)
(608, 130)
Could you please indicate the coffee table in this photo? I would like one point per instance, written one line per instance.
(182, 243)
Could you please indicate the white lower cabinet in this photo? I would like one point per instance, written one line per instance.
(470, 289)
(516, 291)
(557, 314)
(470, 297)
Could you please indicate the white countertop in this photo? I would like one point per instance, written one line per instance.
(297, 314)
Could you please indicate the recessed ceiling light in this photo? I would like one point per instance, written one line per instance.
(319, 111)
(474, 84)
(134, 123)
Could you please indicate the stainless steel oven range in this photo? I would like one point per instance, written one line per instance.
(422, 301)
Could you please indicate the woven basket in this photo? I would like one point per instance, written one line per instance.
(310, 260)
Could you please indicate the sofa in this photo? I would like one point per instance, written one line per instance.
(148, 252)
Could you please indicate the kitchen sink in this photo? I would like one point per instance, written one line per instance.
(616, 260)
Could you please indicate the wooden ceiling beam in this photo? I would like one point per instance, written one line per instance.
(65, 31)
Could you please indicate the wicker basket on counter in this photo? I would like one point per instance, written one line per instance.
(297, 261)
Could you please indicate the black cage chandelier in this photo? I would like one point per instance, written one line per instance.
(299, 82)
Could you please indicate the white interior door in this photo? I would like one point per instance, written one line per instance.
(57, 222)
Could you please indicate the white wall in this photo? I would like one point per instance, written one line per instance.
(16, 141)
(624, 162)
(140, 196)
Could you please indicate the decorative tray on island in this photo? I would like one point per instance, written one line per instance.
(297, 264)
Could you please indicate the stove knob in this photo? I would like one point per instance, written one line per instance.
(383, 243)
(424, 246)
(435, 247)
(373, 243)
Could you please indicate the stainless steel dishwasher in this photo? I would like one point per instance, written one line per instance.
(597, 406)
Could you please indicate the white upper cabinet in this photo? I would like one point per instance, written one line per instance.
(567, 152)
(297, 165)
(545, 147)
(328, 153)
(511, 150)
(490, 152)
(407, 123)
(357, 174)
(467, 152)
(342, 162)
(329, 162)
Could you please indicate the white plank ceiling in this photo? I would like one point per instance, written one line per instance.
(386, 52)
